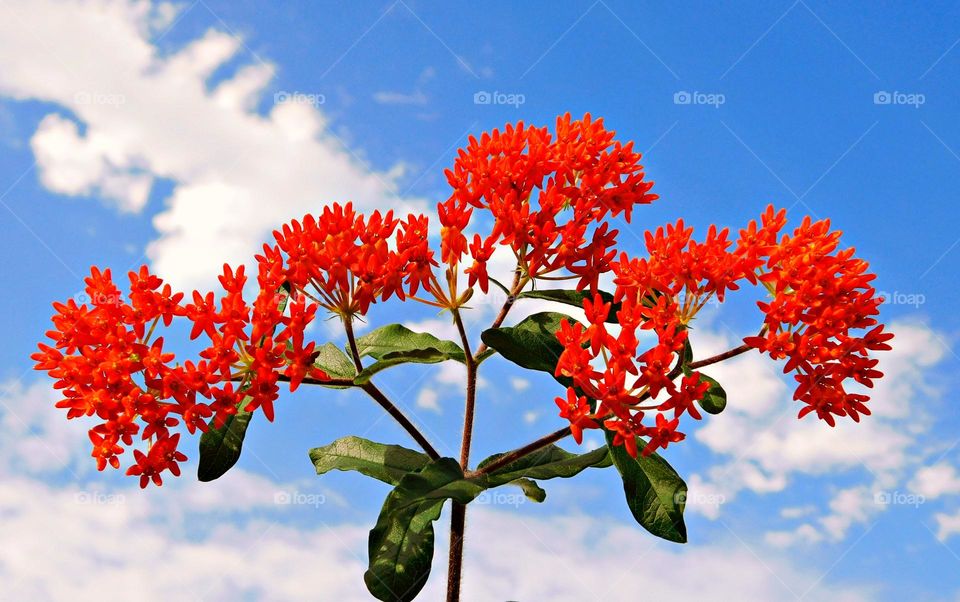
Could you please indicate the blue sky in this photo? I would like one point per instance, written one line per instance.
(180, 136)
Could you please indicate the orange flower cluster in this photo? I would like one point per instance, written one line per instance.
(548, 196)
(347, 261)
(108, 364)
(820, 297)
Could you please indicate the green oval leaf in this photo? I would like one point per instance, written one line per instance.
(397, 338)
(387, 463)
(531, 344)
(655, 493)
(547, 463)
(401, 543)
(335, 363)
(530, 489)
(715, 399)
(220, 448)
(396, 344)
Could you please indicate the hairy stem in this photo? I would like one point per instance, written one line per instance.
(515, 288)
(378, 396)
(458, 517)
(399, 416)
(458, 514)
(352, 342)
(523, 451)
(471, 397)
(720, 357)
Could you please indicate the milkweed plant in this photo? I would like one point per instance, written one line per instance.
(547, 197)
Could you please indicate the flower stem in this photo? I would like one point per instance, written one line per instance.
(523, 451)
(399, 416)
(458, 513)
(378, 396)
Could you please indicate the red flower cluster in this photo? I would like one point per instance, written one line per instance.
(347, 261)
(108, 364)
(548, 197)
(626, 379)
(819, 298)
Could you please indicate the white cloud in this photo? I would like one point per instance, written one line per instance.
(68, 544)
(519, 384)
(37, 436)
(934, 481)
(948, 525)
(427, 400)
(141, 116)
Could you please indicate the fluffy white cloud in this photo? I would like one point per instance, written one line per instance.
(136, 115)
(247, 536)
(427, 400)
(934, 481)
(72, 544)
(948, 525)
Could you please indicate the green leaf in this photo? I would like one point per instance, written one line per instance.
(531, 344)
(396, 338)
(715, 399)
(220, 448)
(546, 463)
(335, 363)
(401, 543)
(387, 463)
(656, 494)
(573, 297)
(530, 489)
(396, 344)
